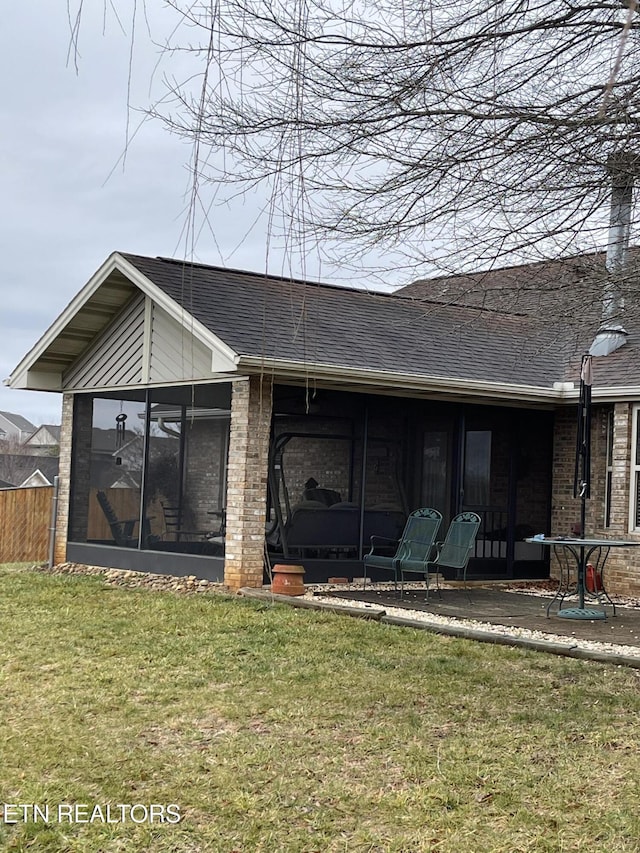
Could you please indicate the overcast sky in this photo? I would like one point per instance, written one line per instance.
(64, 206)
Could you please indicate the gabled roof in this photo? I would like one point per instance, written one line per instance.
(17, 468)
(95, 309)
(278, 320)
(301, 331)
(37, 478)
(18, 421)
(572, 285)
(45, 435)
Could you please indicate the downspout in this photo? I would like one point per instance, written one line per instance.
(54, 520)
(167, 429)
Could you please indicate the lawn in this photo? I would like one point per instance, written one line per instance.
(278, 729)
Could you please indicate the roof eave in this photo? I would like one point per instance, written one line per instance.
(26, 374)
(19, 377)
(393, 382)
(176, 311)
(615, 394)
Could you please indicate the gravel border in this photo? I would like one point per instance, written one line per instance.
(187, 585)
(318, 597)
(470, 629)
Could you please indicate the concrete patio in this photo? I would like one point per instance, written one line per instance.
(512, 609)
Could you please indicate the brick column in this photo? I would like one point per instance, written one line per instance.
(621, 471)
(64, 473)
(623, 566)
(75, 456)
(251, 404)
(565, 510)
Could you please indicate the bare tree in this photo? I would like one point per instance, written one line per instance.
(12, 458)
(454, 136)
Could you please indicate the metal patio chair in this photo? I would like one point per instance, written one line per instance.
(414, 546)
(173, 516)
(454, 553)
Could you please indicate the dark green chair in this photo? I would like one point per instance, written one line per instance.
(415, 544)
(453, 553)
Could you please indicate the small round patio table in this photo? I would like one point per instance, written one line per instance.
(574, 555)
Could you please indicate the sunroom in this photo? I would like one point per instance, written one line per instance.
(216, 421)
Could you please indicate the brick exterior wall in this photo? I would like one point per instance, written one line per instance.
(327, 460)
(623, 565)
(565, 509)
(251, 406)
(205, 461)
(383, 462)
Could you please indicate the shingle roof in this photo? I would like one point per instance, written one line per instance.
(16, 467)
(52, 429)
(265, 316)
(107, 440)
(18, 421)
(521, 289)
(572, 284)
(570, 289)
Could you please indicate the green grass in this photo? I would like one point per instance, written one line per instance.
(277, 729)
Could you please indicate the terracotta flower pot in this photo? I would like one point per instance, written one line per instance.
(288, 580)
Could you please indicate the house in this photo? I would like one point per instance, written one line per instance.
(15, 428)
(317, 415)
(18, 470)
(44, 440)
(37, 478)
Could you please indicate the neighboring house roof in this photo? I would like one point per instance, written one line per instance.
(20, 424)
(124, 480)
(159, 447)
(243, 322)
(17, 468)
(37, 478)
(46, 435)
(108, 440)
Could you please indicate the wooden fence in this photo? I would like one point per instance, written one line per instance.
(126, 505)
(25, 518)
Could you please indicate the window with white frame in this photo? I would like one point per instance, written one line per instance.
(609, 470)
(634, 502)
